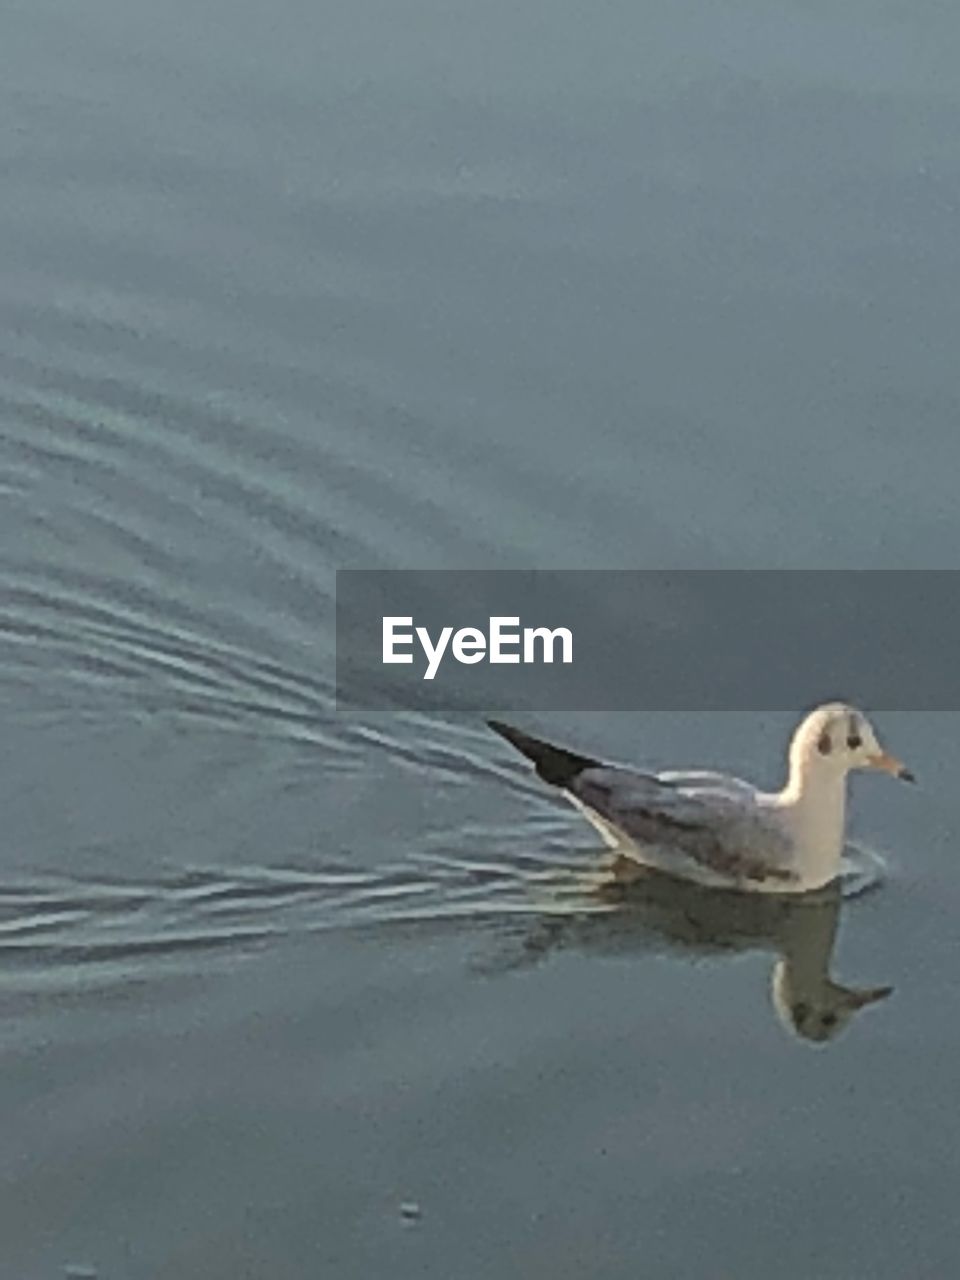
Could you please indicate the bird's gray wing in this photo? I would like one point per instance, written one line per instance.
(719, 830)
(709, 819)
(707, 781)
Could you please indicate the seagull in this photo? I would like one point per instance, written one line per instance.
(719, 830)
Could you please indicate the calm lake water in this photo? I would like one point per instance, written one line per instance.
(288, 288)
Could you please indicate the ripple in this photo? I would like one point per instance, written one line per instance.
(861, 870)
(49, 919)
(46, 919)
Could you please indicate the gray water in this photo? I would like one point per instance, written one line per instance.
(286, 288)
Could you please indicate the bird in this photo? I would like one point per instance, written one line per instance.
(720, 830)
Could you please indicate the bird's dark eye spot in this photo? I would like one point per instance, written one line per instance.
(824, 745)
(828, 1020)
(854, 742)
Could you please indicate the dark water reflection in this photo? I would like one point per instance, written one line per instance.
(693, 921)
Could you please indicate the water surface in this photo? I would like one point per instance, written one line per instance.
(289, 289)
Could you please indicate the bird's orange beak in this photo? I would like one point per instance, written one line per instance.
(890, 764)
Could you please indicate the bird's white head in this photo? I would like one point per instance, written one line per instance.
(836, 738)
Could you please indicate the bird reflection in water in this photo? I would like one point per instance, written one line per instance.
(647, 910)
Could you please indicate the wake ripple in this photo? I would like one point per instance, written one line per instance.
(53, 920)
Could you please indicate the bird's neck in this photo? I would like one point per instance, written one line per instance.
(816, 800)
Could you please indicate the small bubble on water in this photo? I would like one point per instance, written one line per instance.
(410, 1211)
(79, 1271)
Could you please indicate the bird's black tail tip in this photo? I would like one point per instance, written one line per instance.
(555, 765)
